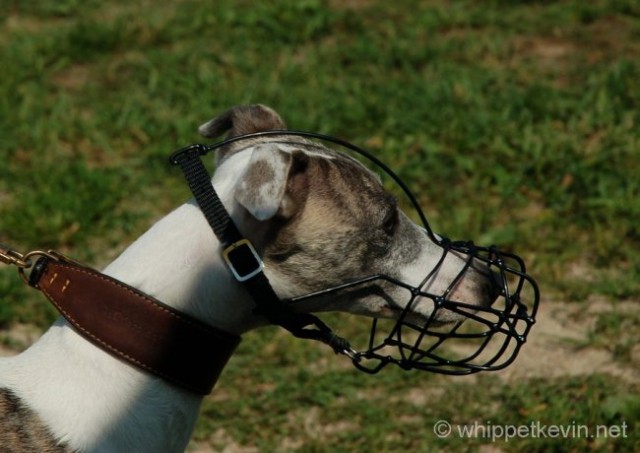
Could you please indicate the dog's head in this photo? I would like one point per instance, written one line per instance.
(321, 219)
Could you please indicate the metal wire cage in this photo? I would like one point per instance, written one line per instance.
(486, 337)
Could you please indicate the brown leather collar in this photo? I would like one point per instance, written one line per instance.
(134, 326)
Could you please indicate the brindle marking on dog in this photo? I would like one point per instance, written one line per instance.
(370, 213)
(21, 430)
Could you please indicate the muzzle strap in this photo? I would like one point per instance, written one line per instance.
(200, 184)
(242, 259)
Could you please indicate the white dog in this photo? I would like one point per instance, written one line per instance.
(316, 217)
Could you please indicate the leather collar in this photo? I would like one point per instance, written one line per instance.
(134, 326)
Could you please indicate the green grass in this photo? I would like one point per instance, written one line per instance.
(273, 403)
(516, 123)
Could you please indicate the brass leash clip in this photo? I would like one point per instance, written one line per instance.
(24, 261)
(12, 257)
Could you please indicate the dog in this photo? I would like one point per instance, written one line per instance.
(318, 218)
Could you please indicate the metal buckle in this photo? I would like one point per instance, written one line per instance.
(243, 260)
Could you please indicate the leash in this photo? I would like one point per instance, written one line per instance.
(242, 259)
(126, 322)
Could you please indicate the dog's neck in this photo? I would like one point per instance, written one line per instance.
(102, 404)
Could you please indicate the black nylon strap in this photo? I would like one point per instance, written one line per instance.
(268, 304)
(200, 184)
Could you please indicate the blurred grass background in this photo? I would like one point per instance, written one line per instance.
(516, 122)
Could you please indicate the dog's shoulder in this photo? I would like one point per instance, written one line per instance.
(21, 430)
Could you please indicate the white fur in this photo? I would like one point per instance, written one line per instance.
(96, 402)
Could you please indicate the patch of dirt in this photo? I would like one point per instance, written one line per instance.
(559, 344)
(551, 55)
(313, 428)
(18, 23)
(547, 51)
(220, 437)
(603, 39)
(73, 78)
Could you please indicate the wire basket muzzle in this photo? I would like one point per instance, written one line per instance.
(482, 336)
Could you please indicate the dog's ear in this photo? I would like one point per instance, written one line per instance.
(242, 119)
(274, 182)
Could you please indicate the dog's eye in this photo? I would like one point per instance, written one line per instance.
(390, 222)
